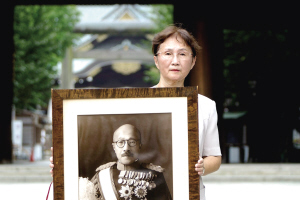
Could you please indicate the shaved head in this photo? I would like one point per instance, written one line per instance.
(127, 128)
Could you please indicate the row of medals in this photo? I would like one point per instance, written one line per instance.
(137, 179)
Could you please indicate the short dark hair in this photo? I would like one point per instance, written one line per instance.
(171, 30)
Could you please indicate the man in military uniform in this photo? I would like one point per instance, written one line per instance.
(128, 178)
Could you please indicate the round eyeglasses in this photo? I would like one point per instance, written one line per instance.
(130, 142)
(168, 55)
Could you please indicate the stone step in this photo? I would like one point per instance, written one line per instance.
(257, 169)
(39, 172)
(25, 171)
(26, 179)
(256, 172)
(21, 170)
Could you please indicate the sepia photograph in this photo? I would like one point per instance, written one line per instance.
(125, 143)
(128, 143)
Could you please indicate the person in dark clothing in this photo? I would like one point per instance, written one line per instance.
(128, 178)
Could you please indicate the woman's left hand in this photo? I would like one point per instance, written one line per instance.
(199, 167)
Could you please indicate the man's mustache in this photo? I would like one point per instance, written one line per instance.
(127, 154)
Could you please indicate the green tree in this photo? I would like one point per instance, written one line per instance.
(249, 56)
(162, 16)
(41, 35)
(261, 77)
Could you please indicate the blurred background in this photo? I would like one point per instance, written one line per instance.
(248, 64)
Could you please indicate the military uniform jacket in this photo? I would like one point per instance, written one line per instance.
(145, 183)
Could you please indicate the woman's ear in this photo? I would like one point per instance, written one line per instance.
(193, 62)
(156, 62)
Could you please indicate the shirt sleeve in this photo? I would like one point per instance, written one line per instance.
(208, 128)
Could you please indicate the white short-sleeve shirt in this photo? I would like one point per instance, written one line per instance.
(209, 144)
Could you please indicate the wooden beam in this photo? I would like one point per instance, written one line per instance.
(201, 74)
(67, 81)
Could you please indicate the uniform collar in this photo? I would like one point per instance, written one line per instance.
(133, 166)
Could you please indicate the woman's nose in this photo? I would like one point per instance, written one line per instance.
(175, 60)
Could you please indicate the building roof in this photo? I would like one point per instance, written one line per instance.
(114, 18)
(112, 51)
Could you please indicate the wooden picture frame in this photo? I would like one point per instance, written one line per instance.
(77, 114)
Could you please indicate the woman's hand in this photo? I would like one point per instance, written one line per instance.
(199, 167)
(207, 165)
(51, 162)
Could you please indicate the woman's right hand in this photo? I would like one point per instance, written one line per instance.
(51, 162)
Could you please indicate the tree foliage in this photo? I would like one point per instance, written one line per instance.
(162, 16)
(41, 35)
(261, 77)
(251, 57)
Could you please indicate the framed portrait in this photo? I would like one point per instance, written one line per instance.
(85, 120)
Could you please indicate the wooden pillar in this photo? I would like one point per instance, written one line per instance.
(201, 73)
(6, 81)
(196, 24)
(67, 81)
(207, 73)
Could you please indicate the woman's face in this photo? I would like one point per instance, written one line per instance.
(174, 61)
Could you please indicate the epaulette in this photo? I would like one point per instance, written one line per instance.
(105, 166)
(153, 167)
(95, 180)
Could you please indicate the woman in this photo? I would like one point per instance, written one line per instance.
(175, 51)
